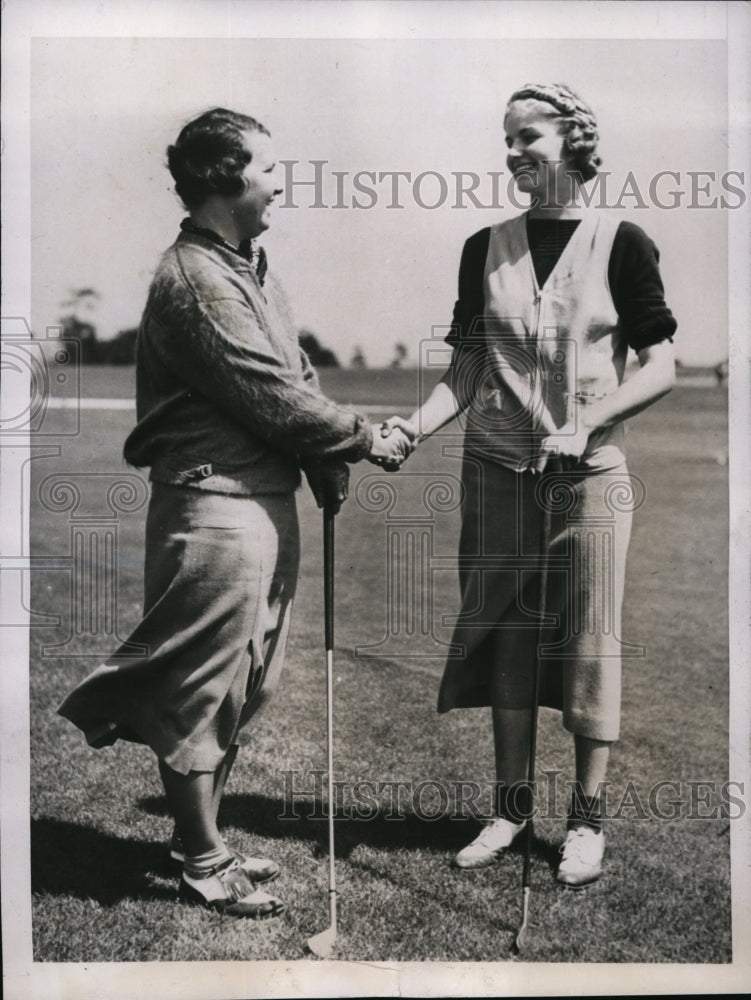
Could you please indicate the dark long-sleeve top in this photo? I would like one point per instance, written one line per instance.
(226, 399)
(633, 275)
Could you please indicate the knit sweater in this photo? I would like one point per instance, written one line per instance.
(226, 400)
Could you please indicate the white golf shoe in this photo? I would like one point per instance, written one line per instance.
(489, 845)
(582, 852)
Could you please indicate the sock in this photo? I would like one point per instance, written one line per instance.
(514, 802)
(199, 866)
(585, 810)
(176, 843)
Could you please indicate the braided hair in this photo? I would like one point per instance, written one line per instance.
(577, 123)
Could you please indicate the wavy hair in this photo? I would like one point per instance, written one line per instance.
(209, 155)
(576, 123)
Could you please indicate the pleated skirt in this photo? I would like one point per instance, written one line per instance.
(220, 577)
(502, 631)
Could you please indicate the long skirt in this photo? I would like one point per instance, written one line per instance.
(220, 576)
(499, 635)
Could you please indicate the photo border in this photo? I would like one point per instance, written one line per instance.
(23, 21)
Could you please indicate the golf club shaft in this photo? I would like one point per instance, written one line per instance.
(544, 554)
(330, 747)
(545, 532)
(328, 600)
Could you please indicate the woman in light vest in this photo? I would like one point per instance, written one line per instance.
(549, 304)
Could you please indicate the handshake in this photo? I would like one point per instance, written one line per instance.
(393, 442)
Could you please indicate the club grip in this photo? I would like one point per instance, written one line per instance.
(328, 575)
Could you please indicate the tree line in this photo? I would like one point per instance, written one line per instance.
(76, 322)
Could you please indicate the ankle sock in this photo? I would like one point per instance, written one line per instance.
(201, 865)
(585, 810)
(514, 802)
(176, 843)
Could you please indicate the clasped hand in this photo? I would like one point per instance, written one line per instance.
(393, 442)
(569, 441)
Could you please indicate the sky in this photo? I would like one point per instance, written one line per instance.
(103, 111)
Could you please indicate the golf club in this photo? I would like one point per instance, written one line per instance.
(555, 463)
(523, 935)
(322, 944)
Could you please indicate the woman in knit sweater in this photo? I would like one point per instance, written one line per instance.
(229, 411)
(549, 304)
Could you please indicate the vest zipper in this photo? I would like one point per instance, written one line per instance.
(537, 302)
(538, 360)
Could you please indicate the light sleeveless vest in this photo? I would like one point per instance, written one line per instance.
(547, 351)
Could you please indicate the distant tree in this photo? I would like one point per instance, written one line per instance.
(320, 356)
(76, 323)
(400, 353)
(121, 350)
(358, 359)
(81, 300)
(85, 334)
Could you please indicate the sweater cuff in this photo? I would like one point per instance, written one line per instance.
(365, 435)
(353, 448)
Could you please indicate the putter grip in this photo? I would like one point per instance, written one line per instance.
(328, 576)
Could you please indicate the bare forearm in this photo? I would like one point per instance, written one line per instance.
(654, 379)
(439, 408)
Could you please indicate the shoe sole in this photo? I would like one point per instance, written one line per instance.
(187, 894)
(579, 885)
(483, 863)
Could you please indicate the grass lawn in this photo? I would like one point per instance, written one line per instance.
(104, 889)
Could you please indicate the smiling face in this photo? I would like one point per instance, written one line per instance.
(537, 155)
(250, 210)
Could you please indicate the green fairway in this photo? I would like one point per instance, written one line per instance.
(104, 889)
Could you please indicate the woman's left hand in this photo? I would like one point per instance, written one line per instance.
(568, 441)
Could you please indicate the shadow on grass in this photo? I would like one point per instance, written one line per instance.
(268, 817)
(70, 859)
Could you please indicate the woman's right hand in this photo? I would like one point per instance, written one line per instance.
(407, 427)
(390, 448)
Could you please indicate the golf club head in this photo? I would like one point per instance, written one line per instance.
(522, 939)
(323, 944)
